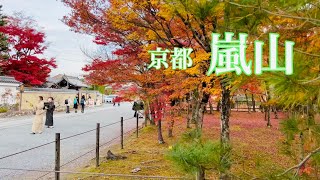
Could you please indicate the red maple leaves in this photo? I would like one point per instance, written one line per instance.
(25, 45)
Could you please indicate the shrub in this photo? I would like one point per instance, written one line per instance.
(197, 155)
(3, 109)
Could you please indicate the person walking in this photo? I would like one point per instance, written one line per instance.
(114, 101)
(140, 108)
(118, 100)
(75, 104)
(135, 108)
(37, 123)
(67, 102)
(83, 103)
(49, 115)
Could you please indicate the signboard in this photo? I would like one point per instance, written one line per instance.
(229, 55)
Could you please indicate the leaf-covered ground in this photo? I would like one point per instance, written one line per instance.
(256, 149)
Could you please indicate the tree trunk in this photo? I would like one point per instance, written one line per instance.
(253, 103)
(146, 118)
(188, 116)
(201, 114)
(275, 113)
(160, 137)
(225, 114)
(265, 113)
(268, 107)
(211, 107)
(170, 127)
(268, 116)
(248, 106)
(152, 113)
(146, 114)
(200, 174)
(196, 113)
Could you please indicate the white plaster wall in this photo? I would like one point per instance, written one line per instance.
(8, 93)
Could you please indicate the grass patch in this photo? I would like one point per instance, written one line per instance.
(144, 153)
(255, 150)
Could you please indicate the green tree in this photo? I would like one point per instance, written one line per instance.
(3, 40)
(195, 155)
(99, 88)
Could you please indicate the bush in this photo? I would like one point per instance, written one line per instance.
(3, 109)
(197, 155)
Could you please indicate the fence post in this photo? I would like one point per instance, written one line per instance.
(97, 144)
(137, 125)
(57, 157)
(121, 132)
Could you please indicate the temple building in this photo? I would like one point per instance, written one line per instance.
(63, 81)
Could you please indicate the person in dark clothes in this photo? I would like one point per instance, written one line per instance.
(82, 102)
(75, 104)
(49, 115)
(134, 107)
(141, 107)
(137, 106)
(68, 102)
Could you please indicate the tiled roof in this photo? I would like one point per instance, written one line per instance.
(9, 79)
(50, 90)
(55, 79)
(75, 81)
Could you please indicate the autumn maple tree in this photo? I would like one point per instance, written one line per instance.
(135, 27)
(25, 49)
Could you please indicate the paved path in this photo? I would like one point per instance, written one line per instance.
(15, 136)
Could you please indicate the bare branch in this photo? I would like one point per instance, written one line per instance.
(298, 166)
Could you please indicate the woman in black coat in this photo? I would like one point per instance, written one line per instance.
(49, 115)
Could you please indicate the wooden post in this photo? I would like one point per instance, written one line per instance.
(97, 144)
(57, 157)
(121, 132)
(137, 125)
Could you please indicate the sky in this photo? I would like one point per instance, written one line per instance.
(64, 45)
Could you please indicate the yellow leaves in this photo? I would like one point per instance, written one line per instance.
(194, 70)
(123, 10)
(151, 35)
(166, 12)
(133, 36)
(200, 56)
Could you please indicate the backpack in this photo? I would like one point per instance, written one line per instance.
(82, 101)
(66, 101)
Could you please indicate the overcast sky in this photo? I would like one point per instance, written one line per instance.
(64, 44)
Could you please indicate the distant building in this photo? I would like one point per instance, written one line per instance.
(62, 81)
(8, 90)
